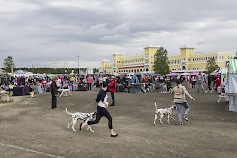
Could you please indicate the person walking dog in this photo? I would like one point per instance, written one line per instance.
(101, 111)
(179, 92)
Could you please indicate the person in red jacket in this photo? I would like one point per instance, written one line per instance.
(218, 81)
(112, 89)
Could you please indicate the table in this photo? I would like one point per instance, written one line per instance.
(19, 91)
(120, 87)
(134, 88)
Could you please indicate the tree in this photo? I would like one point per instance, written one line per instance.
(161, 64)
(8, 64)
(211, 65)
(95, 70)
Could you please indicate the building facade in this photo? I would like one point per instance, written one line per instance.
(187, 59)
(136, 63)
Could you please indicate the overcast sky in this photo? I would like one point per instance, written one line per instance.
(51, 33)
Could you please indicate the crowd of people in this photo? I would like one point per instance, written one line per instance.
(147, 82)
(107, 83)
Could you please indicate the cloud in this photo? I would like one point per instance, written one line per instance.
(45, 32)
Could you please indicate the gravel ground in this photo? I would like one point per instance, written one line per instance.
(30, 128)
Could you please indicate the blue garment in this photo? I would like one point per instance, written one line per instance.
(135, 79)
(179, 107)
(101, 95)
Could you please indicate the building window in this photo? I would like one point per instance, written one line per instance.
(222, 57)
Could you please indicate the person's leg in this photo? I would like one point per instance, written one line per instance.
(187, 108)
(105, 113)
(202, 87)
(97, 120)
(113, 99)
(54, 102)
(88, 86)
(179, 108)
(108, 116)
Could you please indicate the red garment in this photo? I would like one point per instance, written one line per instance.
(112, 86)
(89, 79)
(218, 81)
(19, 81)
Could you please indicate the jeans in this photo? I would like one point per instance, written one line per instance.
(179, 107)
(200, 86)
(113, 99)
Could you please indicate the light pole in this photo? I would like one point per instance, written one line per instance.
(78, 64)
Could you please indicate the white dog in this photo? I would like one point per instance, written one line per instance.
(64, 91)
(81, 116)
(164, 112)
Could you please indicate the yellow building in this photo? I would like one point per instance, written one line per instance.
(188, 59)
(132, 64)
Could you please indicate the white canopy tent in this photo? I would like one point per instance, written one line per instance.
(22, 73)
(231, 86)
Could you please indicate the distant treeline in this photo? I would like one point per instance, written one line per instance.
(54, 70)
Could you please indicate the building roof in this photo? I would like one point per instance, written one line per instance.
(186, 46)
(152, 46)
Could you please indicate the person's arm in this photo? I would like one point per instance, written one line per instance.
(103, 95)
(186, 92)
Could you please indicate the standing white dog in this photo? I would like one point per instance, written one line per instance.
(81, 116)
(164, 112)
(64, 91)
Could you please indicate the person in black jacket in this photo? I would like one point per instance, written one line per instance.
(54, 91)
(102, 111)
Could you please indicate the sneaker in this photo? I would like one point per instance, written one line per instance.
(114, 135)
(181, 124)
(185, 118)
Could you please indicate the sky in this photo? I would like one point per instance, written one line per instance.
(53, 33)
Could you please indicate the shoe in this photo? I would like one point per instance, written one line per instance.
(185, 118)
(112, 105)
(80, 126)
(181, 124)
(54, 108)
(114, 135)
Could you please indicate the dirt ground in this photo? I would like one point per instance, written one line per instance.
(29, 128)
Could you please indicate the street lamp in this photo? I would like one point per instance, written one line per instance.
(78, 64)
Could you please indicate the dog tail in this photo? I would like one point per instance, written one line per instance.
(68, 112)
(156, 106)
